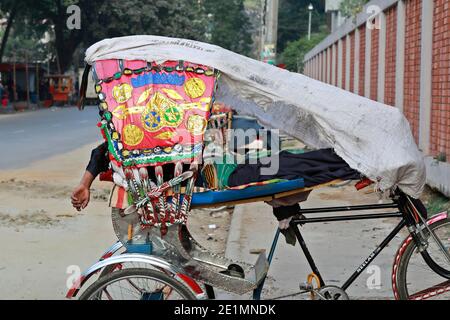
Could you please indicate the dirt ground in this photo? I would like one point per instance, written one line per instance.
(43, 237)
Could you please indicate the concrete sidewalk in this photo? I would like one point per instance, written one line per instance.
(338, 248)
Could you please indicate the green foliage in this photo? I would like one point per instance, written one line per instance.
(253, 4)
(225, 23)
(12, 11)
(114, 18)
(228, 25)
(350, 8)
(295, 51)
(99, 19)
(293, 20)
(26, 44)
(26, 33)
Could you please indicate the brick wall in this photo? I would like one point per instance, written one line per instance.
(374, 64)
(336, 64)
(322, 66)
(362, 58)
(329, 64)
(440, 111)
(403, 83)
(412, 64)
(318, 68)
(344, 61)
(391, 47)
(352, 64)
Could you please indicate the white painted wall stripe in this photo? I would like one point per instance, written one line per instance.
(329, 59)
(340, 64)
(324, 66)
(382, 57)
(348, 48)
(333, 64)
(400, 55)
(367, 71)
(357, 63)
(426, 65)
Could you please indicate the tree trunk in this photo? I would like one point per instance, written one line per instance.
(7, 31)
(65, 48)
(65, 44)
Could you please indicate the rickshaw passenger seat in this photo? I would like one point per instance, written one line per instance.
(222, 196)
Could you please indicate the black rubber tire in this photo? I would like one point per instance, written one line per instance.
(404, 260)
(181, 289)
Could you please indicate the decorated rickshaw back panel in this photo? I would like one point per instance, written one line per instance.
(154, 113)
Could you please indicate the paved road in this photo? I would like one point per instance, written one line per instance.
(37, 135)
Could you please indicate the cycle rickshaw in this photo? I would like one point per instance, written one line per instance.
(157, 100)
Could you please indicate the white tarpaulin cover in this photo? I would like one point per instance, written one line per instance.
(373, 138)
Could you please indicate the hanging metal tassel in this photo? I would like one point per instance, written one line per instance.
(143, 174)
(176, 193)
(188, 195)
(162, 201)
(132, 184)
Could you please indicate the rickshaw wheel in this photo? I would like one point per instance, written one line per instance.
(410, 269)
(132, 284)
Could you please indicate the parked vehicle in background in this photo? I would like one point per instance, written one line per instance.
(61, 88)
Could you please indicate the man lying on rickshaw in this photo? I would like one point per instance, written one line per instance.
(316, 167)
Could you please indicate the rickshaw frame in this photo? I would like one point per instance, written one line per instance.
(109, 258)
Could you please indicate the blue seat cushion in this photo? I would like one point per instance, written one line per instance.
(211, 197)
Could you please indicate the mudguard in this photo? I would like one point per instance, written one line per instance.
(136, 258)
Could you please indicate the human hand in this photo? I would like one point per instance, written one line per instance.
(80, 197)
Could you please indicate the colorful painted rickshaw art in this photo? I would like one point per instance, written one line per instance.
(154, 113)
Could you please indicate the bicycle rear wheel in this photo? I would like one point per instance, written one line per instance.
(137, 284)
(415, 275)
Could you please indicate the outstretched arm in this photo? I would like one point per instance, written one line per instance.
(98, 163)
(81, 194)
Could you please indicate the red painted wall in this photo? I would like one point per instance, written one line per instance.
(362, 58)
(412, 64)
(344, 61)
(440, 111)
(374, 64)
(352, 64)
(390, 56)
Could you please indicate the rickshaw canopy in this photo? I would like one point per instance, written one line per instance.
(373, 138)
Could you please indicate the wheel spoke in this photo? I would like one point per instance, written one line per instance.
(107, 294)
(422, 276)
(137, 284)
